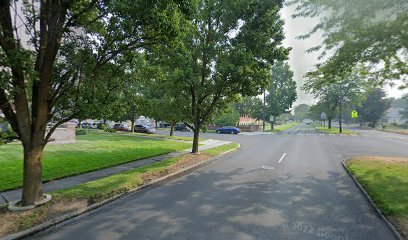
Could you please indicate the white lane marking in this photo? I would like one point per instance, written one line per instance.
(267, 167)
(283, 156)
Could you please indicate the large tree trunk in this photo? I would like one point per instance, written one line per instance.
(172, 128)
(195, 139)
(329, 120)
(132, 122)
(32, 178)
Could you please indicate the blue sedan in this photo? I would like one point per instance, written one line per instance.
(228, 129)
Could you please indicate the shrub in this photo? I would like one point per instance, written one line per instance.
(80, 132)
(103, 126)
(110, 130)
(7, 136)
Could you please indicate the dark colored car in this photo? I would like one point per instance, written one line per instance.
(181, 127)
(121, 127)
(144, 129)
(164, 125)
(228, 129)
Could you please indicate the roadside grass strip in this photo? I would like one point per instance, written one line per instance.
(385, 179)
(83, 195)
(282, 127)
(90, 152)
(334, 130)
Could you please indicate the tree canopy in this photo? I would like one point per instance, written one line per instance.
(228, 49)
(366, 34)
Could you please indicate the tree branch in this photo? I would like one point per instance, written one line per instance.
(52, 129)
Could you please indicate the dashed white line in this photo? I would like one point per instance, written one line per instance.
(283, 156)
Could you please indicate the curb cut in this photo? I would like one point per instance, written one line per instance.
(372, 203)
(54, 223)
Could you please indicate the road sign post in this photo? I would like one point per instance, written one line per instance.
(323, 117)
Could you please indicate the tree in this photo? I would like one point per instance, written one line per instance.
(348, 89)
(366, 33)
(281, 91)
(404, 105)
(374, 107)
(301, 111)
(58, 70)
(228, 117)
(228, 49)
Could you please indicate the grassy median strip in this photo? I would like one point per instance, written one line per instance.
(386, 181)
(281, 127)
(89, 153)
(80, 196)
(333, 130)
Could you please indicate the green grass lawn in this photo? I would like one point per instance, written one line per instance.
(183, 138)
(91, 152)
(281, 127)
(109, 186)
(386, 181)
(333, 130)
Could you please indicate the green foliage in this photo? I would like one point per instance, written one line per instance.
(103, 126)
(249, 106)
(79, 132)
(374, 107)
(228, 117)
(302, 111)
(7, 136)
(110, 130)
(225, 51)
(365, 34)
(350, 89)
(404, 105)
(281, 91)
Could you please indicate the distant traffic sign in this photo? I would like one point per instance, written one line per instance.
(354, 114)
(323, 116)
(271, 118)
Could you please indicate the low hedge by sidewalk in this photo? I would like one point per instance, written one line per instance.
(80, 196)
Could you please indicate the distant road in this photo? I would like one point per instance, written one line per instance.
(289, 186)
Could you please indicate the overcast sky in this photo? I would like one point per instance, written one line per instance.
(299, 60)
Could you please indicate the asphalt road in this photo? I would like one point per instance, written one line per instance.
(289, 186)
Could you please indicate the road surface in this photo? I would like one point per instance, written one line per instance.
(288, 186)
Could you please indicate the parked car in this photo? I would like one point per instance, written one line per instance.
(307, 121)
(145, 129)
(228, 129)
(164, 125)
(181, 127)
(121, 127)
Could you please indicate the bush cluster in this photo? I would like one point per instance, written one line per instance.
(110, 130)
(7, 136)
(80, 132)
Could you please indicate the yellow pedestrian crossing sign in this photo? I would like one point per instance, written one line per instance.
(354, 114)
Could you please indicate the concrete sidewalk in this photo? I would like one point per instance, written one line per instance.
(67, 182)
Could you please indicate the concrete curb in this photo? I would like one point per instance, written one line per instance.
(372, 203)
(59, 221)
